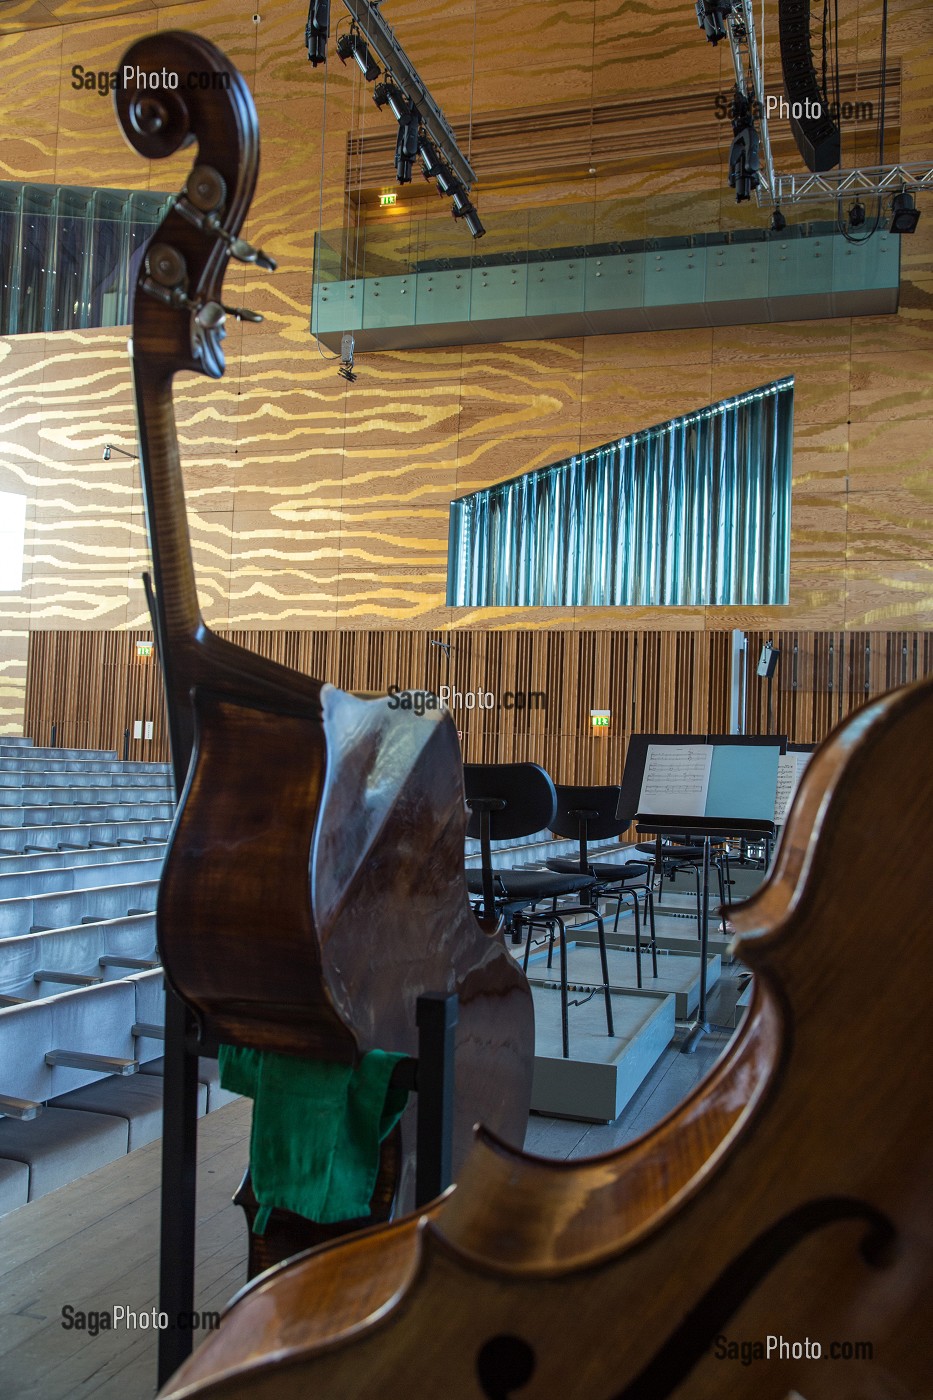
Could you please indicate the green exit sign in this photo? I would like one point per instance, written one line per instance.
(599, 719)
(387, 199)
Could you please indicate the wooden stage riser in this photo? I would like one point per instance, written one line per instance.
(92, 685)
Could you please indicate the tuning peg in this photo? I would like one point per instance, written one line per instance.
(245, 252)
(212, 315)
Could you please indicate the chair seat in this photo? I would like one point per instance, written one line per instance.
(671, 852)
(615, 871)
(619, 874)
(531, 885)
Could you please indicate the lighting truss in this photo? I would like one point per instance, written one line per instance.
(383, 44)
(866, 180)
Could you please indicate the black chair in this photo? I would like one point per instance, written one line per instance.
(506, 801)
(589, 814)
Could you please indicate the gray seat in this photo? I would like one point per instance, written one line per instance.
(62, 1144)
(137, 1099)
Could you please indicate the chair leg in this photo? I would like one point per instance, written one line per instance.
(637, 936)
(649, 908)
(550, 945)
(564, 1020)
(722, 887)
(610, 1029)
(618, 899)
(699, 903)
(518, 921)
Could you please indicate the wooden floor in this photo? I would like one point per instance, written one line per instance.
(94, 1244)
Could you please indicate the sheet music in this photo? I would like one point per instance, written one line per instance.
(676, 780)
(790, 771)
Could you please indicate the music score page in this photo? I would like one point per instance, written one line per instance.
(676, 780)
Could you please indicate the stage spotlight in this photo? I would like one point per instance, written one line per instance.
(317, 31)
(467, 212)
(856, 215)
(386, 94)
(430, 160)
(744, 161)
(778, 222)
(406, 145)
(711, 17)
(353, 45)
(904, 213)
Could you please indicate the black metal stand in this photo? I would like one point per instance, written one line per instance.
(701, 1026)
(431, 1075)
(705, 830)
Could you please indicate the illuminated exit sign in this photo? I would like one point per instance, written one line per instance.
(144, 650)
(386, 200)
(599, 719)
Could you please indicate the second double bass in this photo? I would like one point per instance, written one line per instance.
(313, 885)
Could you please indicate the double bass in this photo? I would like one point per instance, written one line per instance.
(770, 1239)
(314, 884)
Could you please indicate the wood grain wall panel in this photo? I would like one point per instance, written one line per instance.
(321, 505)
(514, 696)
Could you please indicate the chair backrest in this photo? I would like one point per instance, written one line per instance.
(526, 791)
(598, 804)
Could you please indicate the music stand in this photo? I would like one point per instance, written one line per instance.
(703, 829)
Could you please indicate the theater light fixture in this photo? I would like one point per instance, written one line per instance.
(387, 94)
(317, 30)
(778, 222)
(856, 215)
(406, 144)
(353, 45)
(744, 157)
(904, 213)
(711, 17)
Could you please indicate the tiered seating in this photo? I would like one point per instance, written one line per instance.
(81, 993)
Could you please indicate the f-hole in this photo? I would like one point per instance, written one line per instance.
(503, 1365)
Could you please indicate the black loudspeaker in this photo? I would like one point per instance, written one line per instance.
(817, 137)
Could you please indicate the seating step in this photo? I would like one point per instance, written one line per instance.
(48, 838)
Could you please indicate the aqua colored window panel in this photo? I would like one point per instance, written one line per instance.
(692, 513)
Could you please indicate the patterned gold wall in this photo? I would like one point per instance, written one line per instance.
(316, 505)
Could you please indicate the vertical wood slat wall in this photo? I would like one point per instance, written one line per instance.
(92, 686)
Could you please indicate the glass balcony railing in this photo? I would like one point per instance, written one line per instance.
(68, 255)
(402, 241)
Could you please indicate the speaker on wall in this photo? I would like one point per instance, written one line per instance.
(816, 130)
(767, 661)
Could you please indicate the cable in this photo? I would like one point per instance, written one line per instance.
(320, 211)
(841, 224)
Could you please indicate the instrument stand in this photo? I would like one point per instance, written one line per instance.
(430, 1075)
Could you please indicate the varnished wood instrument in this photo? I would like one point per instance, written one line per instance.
(314, 883)
(784, 1207)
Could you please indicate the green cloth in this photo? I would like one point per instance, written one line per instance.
(317, 1126)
